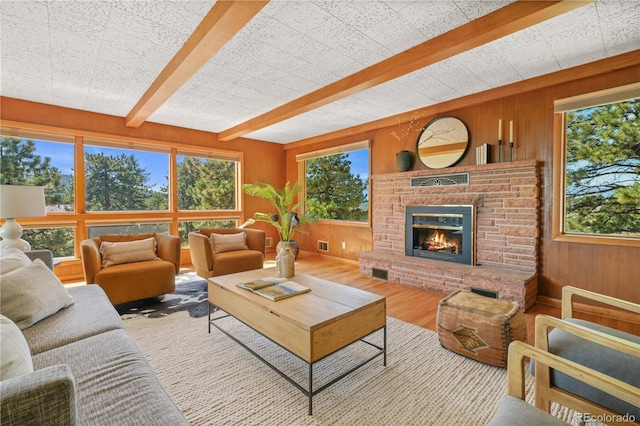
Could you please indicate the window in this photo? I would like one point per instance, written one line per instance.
(186, 227)
(57, 239)
(40, 162)
(600, 166)
(337, 183)
(125, 180)
(130, 228)
(126, 190)
(206, 183)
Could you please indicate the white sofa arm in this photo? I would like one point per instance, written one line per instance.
(44, 397)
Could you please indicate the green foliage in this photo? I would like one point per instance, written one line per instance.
(206, 184)
(185, 227)
(20, 165)
(333, 192)
(286, 220)
(115, 183)
(58, 240)
(603, 170)
(158, 200)
(128, 228)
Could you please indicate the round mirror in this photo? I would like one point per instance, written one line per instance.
(442, 142)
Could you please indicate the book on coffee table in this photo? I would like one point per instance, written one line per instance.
(274, 288)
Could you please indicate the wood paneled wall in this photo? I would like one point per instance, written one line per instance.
(612, 270)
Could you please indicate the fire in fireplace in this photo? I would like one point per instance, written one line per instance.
(440, 232)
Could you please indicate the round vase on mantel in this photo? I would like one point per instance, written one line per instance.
(404, 159)
(285, 263)
(293, 246)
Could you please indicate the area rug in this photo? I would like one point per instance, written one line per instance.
(215, 381)
(190, 295)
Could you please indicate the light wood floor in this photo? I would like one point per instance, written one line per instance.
(413, 305)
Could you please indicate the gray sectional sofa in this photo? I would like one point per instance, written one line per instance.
(87, 371)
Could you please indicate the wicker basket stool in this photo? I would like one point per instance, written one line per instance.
(480, 327)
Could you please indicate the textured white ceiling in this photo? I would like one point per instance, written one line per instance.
(102, 56)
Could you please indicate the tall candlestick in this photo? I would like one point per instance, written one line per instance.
(511, 131)
(500, 129)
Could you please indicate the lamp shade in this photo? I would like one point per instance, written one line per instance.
(21, 201)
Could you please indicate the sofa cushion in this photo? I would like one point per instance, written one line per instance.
(114, 383)
(12, 259)
(15, 358)
(31, 293)
(127, 252)
(228, 242)
(91, 314)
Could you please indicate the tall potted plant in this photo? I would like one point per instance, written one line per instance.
(286, 220)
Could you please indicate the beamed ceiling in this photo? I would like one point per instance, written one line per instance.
(284, 71)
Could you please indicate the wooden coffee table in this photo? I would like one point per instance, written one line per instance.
(311, 326)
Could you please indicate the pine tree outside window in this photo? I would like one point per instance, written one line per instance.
(599, 160)
(43, 160)
(337, 183)
(118, 179)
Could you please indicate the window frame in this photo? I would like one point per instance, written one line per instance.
(81, 220)
(114, 144)
(561, 107)
(236, 157)
(340, 149)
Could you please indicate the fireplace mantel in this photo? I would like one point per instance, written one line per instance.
(461, 169)
(506, 196)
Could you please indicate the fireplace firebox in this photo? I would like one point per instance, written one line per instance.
(441, 233)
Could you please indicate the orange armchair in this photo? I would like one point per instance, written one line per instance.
(211, 263)
(152, 276)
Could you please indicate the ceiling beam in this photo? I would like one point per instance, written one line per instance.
(220, 25)
(591, 69)
(507, 20)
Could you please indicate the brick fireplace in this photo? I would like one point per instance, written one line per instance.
(506, 200)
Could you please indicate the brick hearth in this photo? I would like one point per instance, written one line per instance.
(506, 234)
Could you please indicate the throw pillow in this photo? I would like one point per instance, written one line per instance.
(32, 293)
(228, 242)
(15, 357)
(127, 252)
(11, 259)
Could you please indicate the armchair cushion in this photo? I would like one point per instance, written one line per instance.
(32, 293)
(514, 411)
(237, 261)
(228, 242)
(15, 357)
(135, 281)
(606, 360)
(127, 252)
